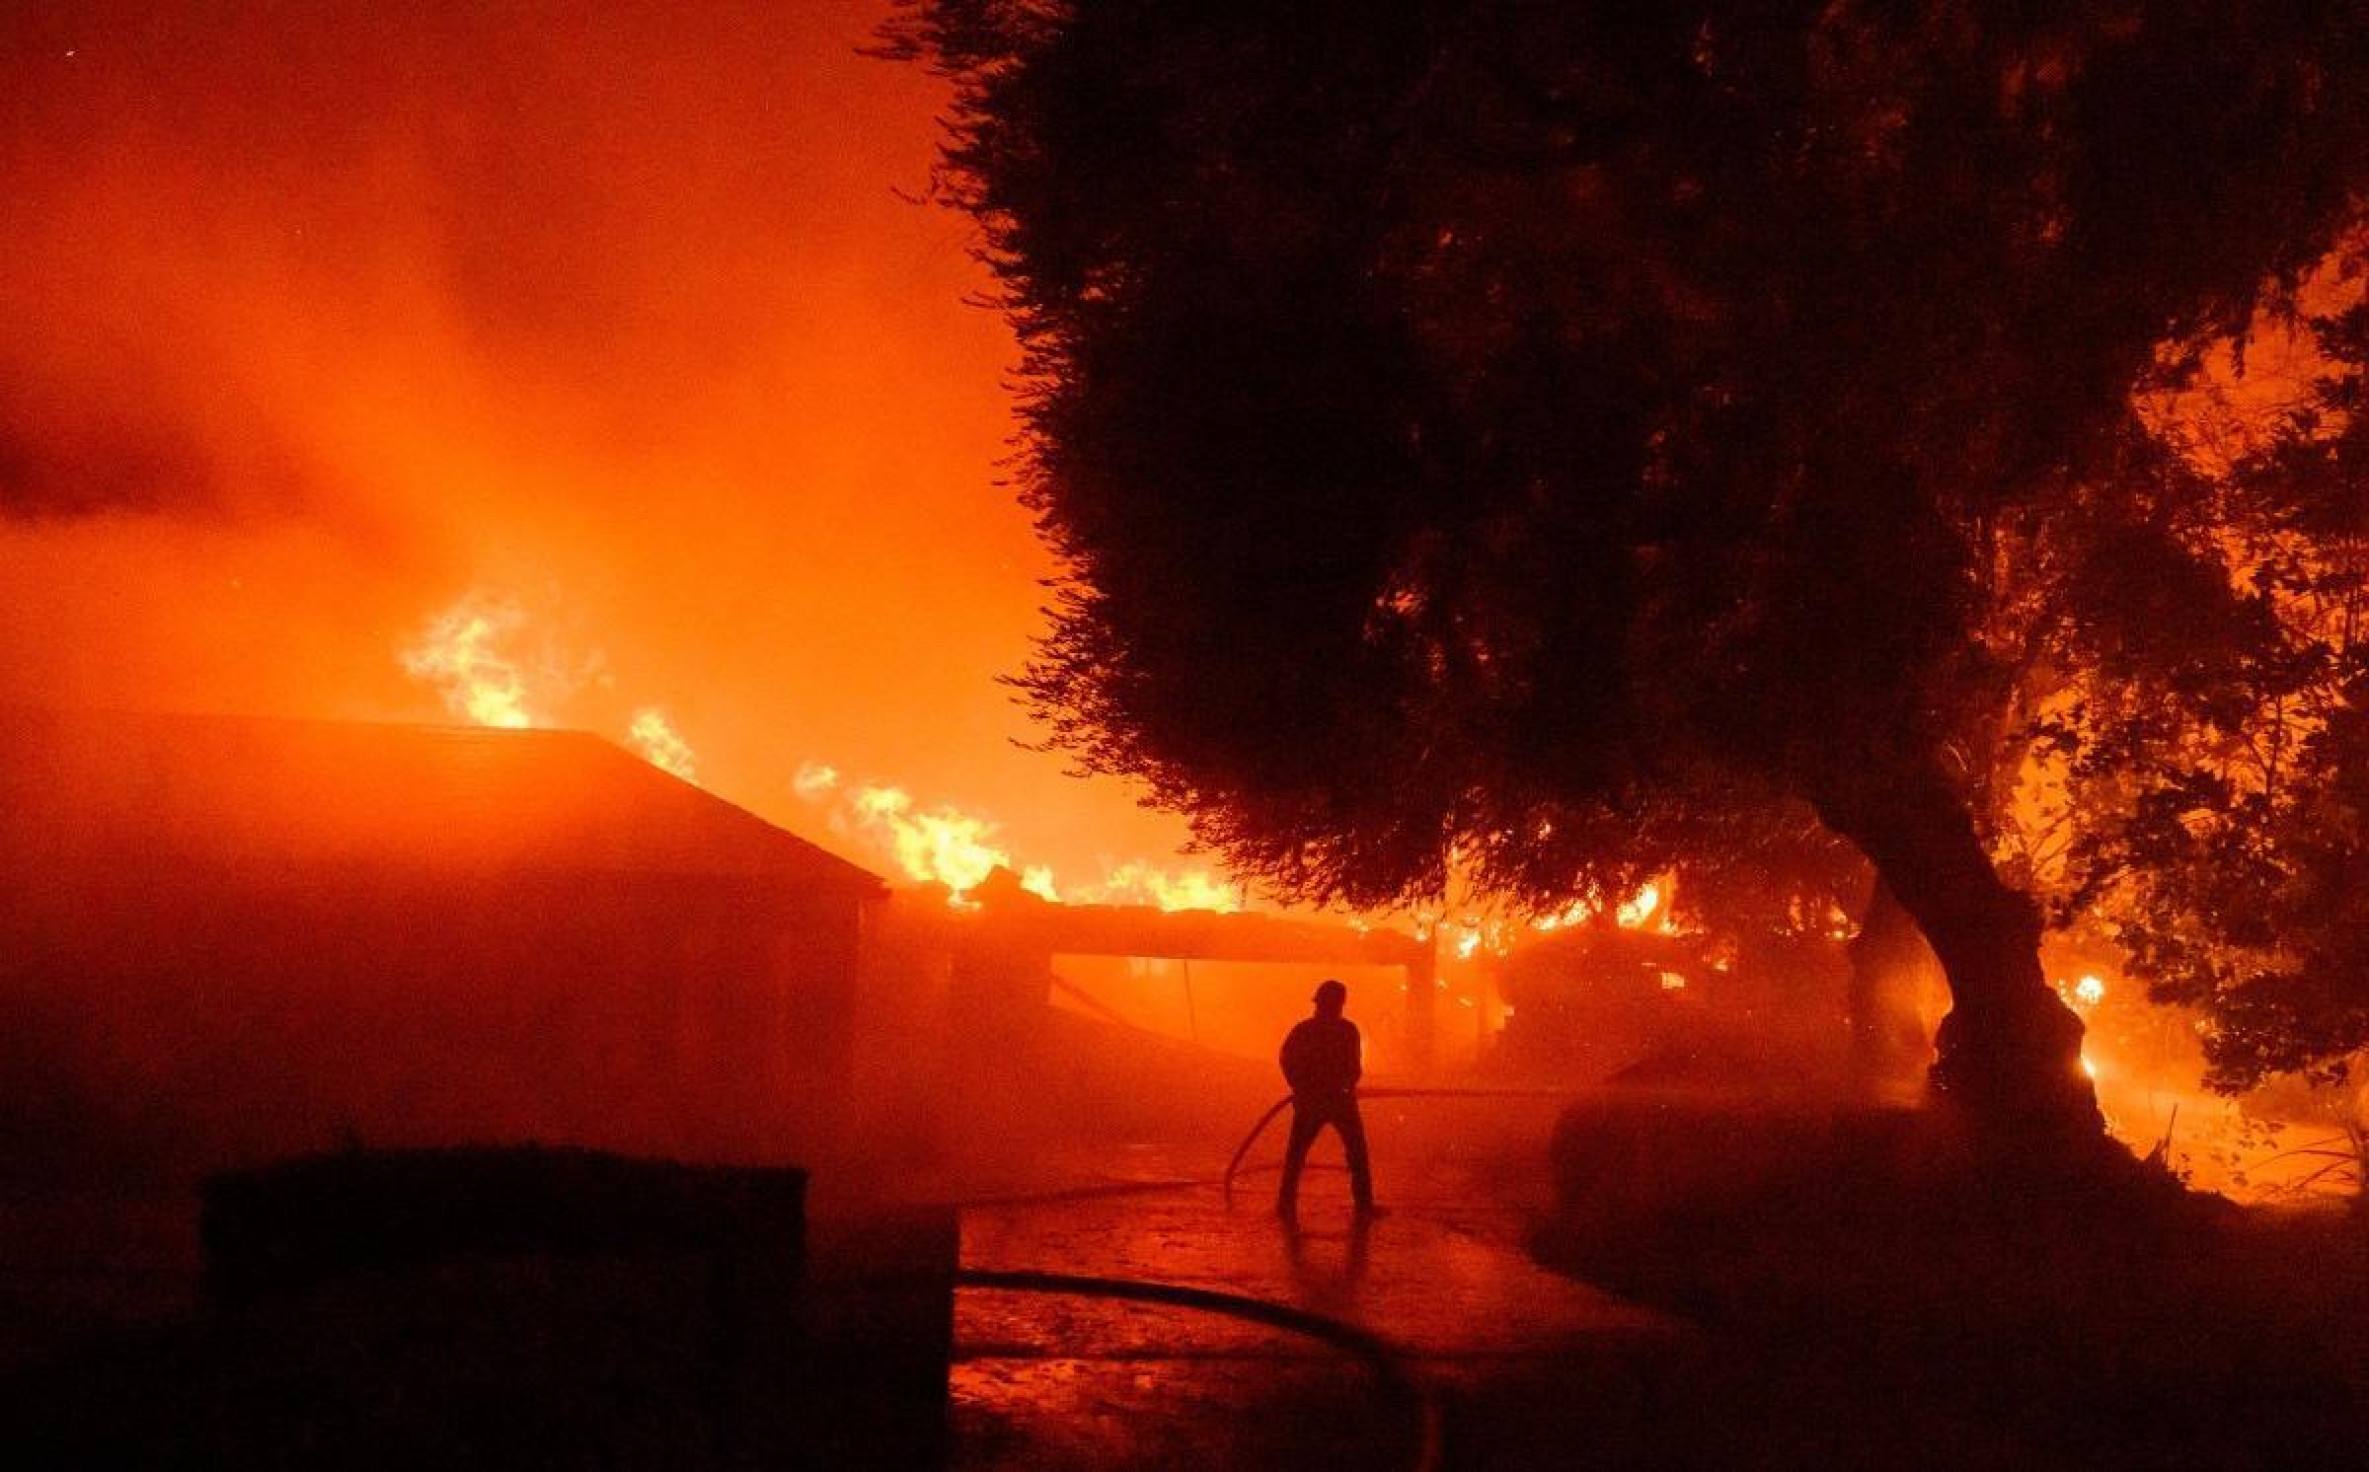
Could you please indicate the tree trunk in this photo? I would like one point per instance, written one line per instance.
(1890, 963)
(2009, 1053)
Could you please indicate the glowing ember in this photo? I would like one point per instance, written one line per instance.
(663, 746)
(458, 654)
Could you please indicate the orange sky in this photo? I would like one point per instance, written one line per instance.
(611, 309)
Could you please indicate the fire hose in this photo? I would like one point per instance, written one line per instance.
(1377, 1353)
(1279, 1105)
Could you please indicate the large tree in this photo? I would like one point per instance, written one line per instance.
(1504, 438)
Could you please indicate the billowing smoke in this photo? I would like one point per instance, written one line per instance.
(325, 319)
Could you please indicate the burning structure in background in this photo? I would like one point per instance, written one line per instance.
(491, 668)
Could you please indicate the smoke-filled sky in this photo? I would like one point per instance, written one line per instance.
(324, 316)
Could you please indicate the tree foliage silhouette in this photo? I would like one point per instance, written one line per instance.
(1518, 439)
(2222, 774)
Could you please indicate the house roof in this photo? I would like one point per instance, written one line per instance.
(253, 790)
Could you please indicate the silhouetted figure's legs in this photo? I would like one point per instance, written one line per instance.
(1361, 1172)
(1305, 1122)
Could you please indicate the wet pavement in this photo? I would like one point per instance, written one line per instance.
(1061, 1380)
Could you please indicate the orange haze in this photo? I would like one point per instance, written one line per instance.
(323, 318)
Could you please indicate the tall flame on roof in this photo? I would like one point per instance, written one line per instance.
(469, 653)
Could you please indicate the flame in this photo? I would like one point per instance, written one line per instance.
(1466, 936)
(457, 653)
(663, 746)
(1471, 934)
(1648, 907)
(1139, 883)
(466, 653)
(1639, 907)
(1576, 913)
(944, 845)
(2082, 994)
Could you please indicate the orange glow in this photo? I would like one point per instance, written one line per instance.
(617, 314)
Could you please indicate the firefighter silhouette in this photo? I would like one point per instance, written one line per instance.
(1323, 1058)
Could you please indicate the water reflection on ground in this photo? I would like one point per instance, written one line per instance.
(1056, 1381)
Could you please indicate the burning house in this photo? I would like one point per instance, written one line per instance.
(224, 939)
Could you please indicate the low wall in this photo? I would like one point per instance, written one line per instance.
(526, 1307)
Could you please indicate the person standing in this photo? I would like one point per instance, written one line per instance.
(1323, 1058)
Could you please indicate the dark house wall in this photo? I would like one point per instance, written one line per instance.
(173, 1006)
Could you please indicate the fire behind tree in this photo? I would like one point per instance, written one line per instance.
(1528, 442)
(446, 370)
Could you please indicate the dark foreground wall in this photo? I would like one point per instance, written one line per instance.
(522, 1308)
